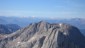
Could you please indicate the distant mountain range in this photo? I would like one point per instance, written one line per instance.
(44, 35)
(8, 28)
(23, 22)
(17, 20)
(78, 22)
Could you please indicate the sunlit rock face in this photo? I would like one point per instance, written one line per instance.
(44, 35)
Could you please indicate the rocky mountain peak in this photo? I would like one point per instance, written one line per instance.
(45, 35)
(43, 22)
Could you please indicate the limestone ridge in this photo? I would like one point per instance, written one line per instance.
(45, 35)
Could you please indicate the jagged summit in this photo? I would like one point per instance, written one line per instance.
(42, 22)
(45, 35)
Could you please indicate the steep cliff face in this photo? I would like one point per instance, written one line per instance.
(44, 35)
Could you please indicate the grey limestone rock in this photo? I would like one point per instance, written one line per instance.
(45, 35)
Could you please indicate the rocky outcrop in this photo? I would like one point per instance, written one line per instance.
(44, 35)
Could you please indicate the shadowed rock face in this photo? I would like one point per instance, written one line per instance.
(44, 35)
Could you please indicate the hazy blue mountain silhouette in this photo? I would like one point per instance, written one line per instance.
(78, 22)
(8, 28)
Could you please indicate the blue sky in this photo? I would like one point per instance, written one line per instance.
(43, 8)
